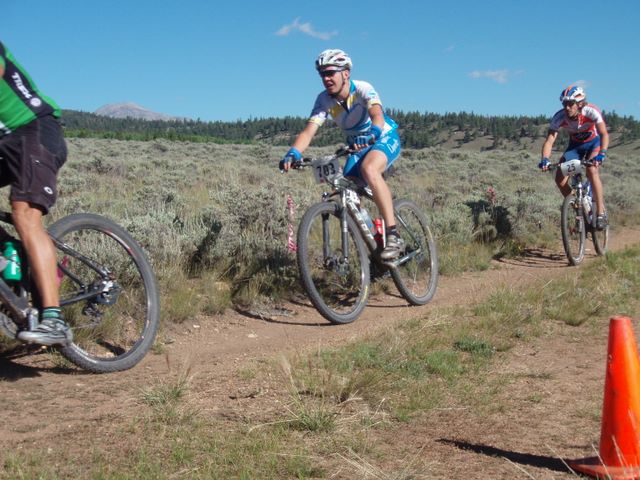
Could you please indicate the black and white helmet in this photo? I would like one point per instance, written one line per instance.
(333, 58)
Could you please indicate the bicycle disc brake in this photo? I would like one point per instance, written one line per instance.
(337, 264)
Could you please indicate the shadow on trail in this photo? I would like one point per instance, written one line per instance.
(12, 371)
(539, 461)
(270, 315)
(537, 258)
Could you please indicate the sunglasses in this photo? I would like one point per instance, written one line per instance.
(568, 103)
(328, 73)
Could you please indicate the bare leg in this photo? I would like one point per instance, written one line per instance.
(596, 184)
(563, 183)
(373, 166)
(28, 222)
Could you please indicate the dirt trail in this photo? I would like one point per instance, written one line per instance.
(214, 348)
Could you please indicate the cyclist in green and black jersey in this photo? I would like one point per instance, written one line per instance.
(32, 150)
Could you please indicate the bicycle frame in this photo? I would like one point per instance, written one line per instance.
(579, 185)
(350, 196)
(339, 251)
(84, 292)
(19, 306)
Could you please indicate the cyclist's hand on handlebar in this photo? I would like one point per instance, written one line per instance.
(544, 164)
(359, 142)
(598, 159)
(293, 155)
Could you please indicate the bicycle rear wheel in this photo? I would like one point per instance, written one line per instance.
(573, 229)
(337, 284)
(417, 277)
(600, 237)
(110, 299)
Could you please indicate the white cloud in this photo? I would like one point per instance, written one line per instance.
(500, 76)
(305, 28)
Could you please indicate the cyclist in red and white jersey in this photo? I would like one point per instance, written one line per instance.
(588, 139)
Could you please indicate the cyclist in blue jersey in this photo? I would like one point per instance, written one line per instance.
(355, 106)
(32, 150)
(588, 139)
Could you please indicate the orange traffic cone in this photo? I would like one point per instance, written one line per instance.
(619, 455)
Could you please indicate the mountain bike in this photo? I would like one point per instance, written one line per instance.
(108, 293)
(338, 247)
(578, 214)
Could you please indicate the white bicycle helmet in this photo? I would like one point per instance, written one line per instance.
(573, 93)
(333, 58)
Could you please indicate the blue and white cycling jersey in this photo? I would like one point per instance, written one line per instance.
(352, 115)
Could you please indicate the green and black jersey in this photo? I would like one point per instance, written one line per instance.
(20, 100)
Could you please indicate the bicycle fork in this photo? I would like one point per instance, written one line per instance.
(584, 205)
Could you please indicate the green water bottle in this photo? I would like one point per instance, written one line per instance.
(13, 270)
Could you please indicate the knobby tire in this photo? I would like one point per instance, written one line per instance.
(416, 279)
(116, 330)
(338, 290)
(573, 227)
(600, 237)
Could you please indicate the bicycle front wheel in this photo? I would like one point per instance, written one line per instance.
(334, 269)
(573, 229)
(108, 293)
(416, 277)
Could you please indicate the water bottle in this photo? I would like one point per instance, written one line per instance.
(367, 218)
(13, 270)
(379, 232)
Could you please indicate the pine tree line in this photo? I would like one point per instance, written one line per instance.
(417, 130)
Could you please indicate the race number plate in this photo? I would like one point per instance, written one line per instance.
(326, 168)
(571, 167)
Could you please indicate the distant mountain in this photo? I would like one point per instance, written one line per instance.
(131, 110)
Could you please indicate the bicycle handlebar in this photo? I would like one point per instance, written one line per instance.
(555, 165)
(307, 161)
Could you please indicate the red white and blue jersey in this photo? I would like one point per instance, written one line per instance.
(581, 129)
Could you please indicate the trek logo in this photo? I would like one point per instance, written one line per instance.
(20, 85)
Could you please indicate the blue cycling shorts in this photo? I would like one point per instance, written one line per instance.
(581, 151)
(389, 144)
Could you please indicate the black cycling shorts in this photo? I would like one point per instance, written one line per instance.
(30, 158)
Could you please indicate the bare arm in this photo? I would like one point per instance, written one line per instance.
(303, 140)
(377, 120)
(547, 146)
(377, 116)
(604, 135)
(300, 144)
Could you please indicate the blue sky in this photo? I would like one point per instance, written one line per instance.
(242, 59)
